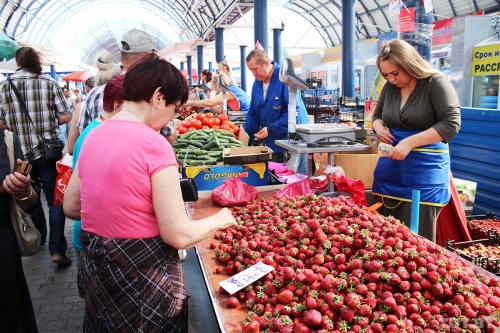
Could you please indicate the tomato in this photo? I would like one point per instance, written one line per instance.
(209, 115)
(204, 127)
(200, 116)
(222, 117)
(216, 121)
(191, 129)
(187, 124)
(231, 130)
(224, 126)
(207, 121)
(196, 123)
(182, 129)
(215, 127)
(236, 129)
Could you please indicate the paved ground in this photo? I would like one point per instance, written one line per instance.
(58, 308)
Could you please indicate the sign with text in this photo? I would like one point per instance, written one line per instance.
(441, 34)
(393, 7)
(486, 60)
(406, 20)
(386, 38)
(244, 278)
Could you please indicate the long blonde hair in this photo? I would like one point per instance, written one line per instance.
(406, 58)
(225, 79)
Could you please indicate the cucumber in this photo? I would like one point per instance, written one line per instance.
(188, 156)
(225, 133)
(217, 143)
(235, 145)
(194, 162)
(233, 140)
(219, 149)
(210, 162)
(201, 134)
(219, 158)
(180, 145)
(222, 140)
(198, 144)
(200, 152)
(207, 131)
(209, 145)
(225, 145)
(203, 157)
(187, 135)
(214, 153)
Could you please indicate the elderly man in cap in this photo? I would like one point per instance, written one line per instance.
(135, 43)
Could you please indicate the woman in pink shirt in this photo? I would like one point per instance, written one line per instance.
(132, 213)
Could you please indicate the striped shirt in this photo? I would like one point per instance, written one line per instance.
(92, 107)
(45, 102)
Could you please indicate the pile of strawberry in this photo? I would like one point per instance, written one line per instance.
(490, 251)
(484, 226)
(341, 269)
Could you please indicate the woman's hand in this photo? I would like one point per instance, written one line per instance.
(400, 151)
(384, 134)
(226, 218)
(17, 184)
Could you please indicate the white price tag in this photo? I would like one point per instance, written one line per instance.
(244, 278)
(393, 7)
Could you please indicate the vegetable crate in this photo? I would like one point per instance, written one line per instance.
(479, 225)
(321, 98)
(488, 251)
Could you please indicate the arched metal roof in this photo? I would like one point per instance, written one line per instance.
(37, 21)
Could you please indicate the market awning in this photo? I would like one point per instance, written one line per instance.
(79, 76)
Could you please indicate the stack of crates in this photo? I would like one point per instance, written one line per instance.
(323, 104)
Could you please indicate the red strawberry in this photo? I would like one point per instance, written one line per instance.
(361, 289)
(233, 302)
(311, 303)
(347, 314)
(285, 297)
(288, 273)
(312, 318)
(365, 310)
(301, 328)
(437, 290)
(250, 326)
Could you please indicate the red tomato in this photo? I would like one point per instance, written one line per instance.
(216, 121)
(200, 116)
(187, 124)
(196, 124)
(222, 117)
(224, 126)
(215, 127)
(207, 121)
(236, 129)
(190, 129)
(182, 130)
(230, 129)
(204, 127)
(209, 115)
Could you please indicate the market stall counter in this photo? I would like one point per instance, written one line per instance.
(230, 319)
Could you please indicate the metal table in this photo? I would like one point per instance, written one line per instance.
(301, 148)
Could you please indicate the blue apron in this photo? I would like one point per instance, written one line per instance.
(426, 168)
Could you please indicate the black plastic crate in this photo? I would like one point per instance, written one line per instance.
(475, 229)
(490, 264)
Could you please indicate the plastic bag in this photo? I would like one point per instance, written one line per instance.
(233, 192)
(65, 171)
(318, 184)
(353, 186)
(297, 188)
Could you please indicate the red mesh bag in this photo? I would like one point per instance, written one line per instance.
(353, 186)
(233, 192)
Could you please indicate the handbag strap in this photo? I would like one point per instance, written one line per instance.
(9, 142)
(23, 105)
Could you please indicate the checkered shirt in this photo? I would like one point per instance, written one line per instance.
(45, 102)
(92, 107)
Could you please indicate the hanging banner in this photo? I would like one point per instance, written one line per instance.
(406, 20)
(332, 54)
(386, 38)
(486, 60)
(393, 7)
(441, 34)
(428, 6)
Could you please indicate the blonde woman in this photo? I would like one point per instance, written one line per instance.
(237, 99)
(224, 67)
(418, 113)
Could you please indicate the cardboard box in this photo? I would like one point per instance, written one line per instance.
(355, 164)
(208, 178)
(467, 192)
(246, 155)
(372, 140)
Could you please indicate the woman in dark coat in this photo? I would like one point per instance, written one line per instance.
(16, 309)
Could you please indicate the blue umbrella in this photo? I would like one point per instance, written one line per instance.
(8, 47)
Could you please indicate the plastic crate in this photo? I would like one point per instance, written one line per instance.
(476, 230)
(321, 98)
(490, 264)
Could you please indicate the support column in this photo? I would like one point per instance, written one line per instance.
(210, 67)
(260, 22)
(421, 37)
(243, 67)
(277, 45)
(182, 65)
(348, 52)
(189, 69)
(53, 71)
(219, 44)
(199, 58)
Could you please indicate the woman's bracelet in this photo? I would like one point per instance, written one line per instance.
(26, 198)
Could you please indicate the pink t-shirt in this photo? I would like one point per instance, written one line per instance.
(116, 164)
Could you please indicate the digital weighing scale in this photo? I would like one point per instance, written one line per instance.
(326, 134)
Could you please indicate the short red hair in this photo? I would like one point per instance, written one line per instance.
(151, 72)
(113, 92)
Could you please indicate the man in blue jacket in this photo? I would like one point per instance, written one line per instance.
(267, 118)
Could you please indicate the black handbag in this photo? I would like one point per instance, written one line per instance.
(189, 190)
(52, 148)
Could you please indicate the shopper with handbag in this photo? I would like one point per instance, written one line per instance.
(16, 309)
(33, 105)
(129, 253)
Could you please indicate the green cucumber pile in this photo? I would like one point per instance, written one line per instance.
(204, 147)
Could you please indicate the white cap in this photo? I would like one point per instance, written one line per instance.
(136, 41)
